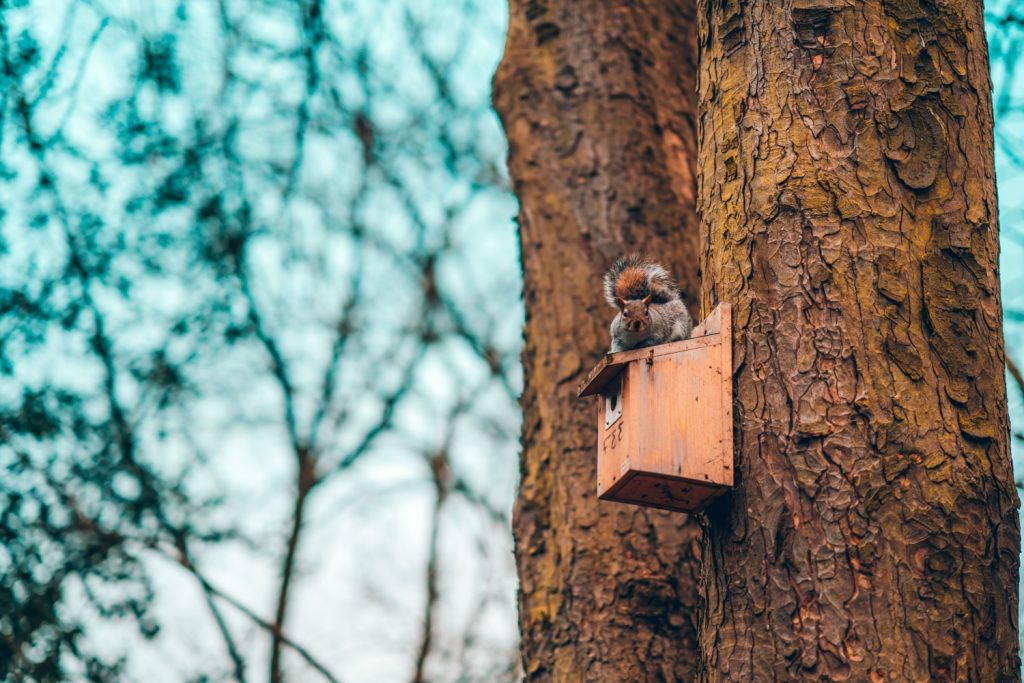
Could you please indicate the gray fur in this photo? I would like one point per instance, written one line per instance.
(669, 322)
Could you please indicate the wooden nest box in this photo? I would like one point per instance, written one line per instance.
(665, 419)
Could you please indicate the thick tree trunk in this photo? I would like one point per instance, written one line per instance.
(598, 101)
(849, 214)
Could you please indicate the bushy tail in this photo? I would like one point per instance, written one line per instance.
(635, 277)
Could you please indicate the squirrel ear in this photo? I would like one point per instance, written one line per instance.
(647, 300)
(621, 302)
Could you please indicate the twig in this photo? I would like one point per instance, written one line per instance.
(305, 483)
(185, 559)
(1015, 373)
(258, 620)
(440, 474)
(427, 634)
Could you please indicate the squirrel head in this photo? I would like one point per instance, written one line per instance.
(636, 315)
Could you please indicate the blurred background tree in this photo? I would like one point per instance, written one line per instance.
(260, 321)
(1005, 28)
(259, 342)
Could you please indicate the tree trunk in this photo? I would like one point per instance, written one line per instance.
(849, 214)
(598, 101)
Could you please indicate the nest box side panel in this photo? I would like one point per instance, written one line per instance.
(617, 430)
(724, 313)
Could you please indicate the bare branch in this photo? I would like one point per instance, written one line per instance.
(186, 560)
(1015, 373)
(258, 620)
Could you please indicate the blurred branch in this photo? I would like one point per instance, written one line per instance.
(466, 491)
(256, 619)
(278, 364)
(1015, 373)
(439, 469)
(383, 423)
(185, 560)
(343, 330)
(306, 479)
(313, 30)
(440, 476)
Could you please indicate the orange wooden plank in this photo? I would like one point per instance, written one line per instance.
(611, 365)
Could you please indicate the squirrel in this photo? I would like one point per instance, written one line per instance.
(651, 310)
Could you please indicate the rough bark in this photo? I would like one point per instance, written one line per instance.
(849, 214)
(598, 103)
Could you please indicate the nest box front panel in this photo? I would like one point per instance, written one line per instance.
(682, 413)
